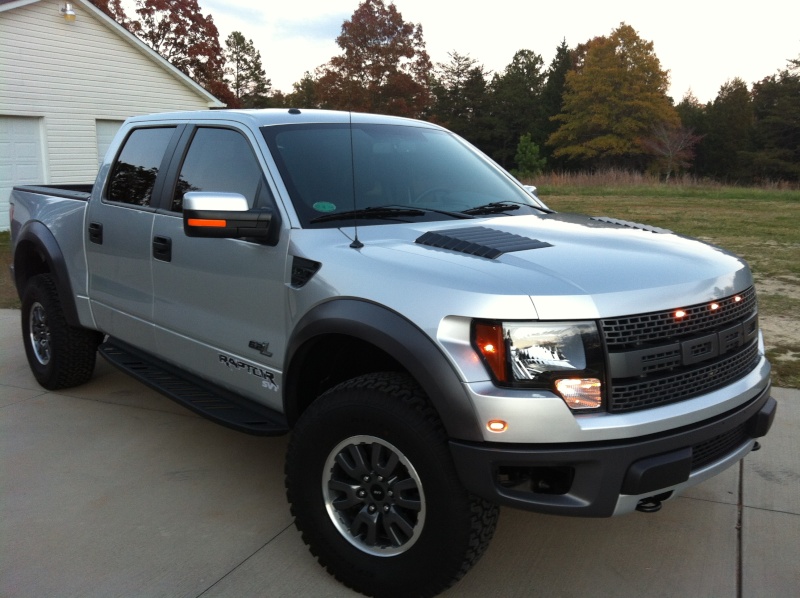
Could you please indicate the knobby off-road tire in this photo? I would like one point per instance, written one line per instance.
(59, 355)
(374, 491)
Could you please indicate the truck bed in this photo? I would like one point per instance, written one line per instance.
(80, 192)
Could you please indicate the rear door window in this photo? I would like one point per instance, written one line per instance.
(134, 174)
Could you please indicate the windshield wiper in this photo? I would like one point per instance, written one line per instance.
(385, 212)
(498, 207)
(494, 207)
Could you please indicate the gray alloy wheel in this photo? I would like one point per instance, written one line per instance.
(373, 496)
(59, 355)
(39, 332)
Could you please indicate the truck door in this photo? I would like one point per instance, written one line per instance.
(219, 304)
(118, 236)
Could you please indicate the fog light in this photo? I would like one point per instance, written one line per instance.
(581, 393)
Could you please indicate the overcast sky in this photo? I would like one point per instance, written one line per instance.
(702, 43)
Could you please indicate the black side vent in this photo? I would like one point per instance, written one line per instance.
(480, 241)
(627, 224)
(303, 270)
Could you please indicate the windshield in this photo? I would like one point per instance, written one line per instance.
(412, 173)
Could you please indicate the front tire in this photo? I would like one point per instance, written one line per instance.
(375, 494)
(59, 355)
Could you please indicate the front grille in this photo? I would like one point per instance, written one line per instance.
(717, 447)
(686, 384)
(658, 358)
(662, 325)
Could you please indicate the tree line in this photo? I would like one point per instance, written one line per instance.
(602, 104)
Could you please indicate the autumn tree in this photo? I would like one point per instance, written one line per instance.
(115, 10)
(178, 31)
(384, 66)
(614, 96)
(245, 73)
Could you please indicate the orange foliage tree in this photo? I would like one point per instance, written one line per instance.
(384, 67)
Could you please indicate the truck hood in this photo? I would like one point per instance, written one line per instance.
(569, 265)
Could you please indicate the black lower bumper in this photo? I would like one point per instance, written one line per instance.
(588, 479)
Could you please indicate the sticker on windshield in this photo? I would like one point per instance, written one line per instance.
(324, 206)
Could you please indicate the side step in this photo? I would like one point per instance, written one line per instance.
(215, 403)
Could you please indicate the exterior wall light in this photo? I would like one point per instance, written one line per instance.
(68, 12)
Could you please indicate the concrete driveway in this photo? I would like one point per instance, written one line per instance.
(110, 489)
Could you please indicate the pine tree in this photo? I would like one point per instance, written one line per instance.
(244, 71)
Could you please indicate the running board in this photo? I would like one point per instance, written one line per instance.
(208, 400)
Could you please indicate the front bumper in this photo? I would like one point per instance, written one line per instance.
(601, 479)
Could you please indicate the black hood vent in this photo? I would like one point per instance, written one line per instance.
(627, 224)
(480, 241)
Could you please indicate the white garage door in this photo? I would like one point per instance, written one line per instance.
(21, 157)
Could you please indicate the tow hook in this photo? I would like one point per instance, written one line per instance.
(649, 505)
(756, 447)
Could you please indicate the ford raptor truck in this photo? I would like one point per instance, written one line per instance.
(435, 338)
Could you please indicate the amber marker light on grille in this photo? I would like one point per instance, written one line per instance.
(208, 223)
(497, 426)
(680, 314)
(737, 299)
(714, 306)
(581, 393)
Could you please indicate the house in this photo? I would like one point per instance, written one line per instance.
(69, 77)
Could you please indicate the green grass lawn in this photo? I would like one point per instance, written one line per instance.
(761, 225)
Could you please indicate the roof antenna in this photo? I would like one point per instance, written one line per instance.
(356, 244)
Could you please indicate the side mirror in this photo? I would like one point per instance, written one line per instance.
(224, 215)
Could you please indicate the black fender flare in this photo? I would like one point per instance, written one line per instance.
(36, 239)
(399, 338)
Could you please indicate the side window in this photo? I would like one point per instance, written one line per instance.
(134, 173)
(222, 160)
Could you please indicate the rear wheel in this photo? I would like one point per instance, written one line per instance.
(59, 355)
(375, 494)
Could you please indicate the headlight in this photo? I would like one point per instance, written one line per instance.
(564, 357)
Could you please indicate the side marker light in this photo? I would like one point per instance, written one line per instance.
(497, 425)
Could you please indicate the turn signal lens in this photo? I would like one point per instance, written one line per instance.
(205, 222)
(488, 340)
(581, 393)
(497, 425)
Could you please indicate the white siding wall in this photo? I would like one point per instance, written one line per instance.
(70, 76)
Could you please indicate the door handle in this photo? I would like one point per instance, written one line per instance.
(96, 233)
(162, 249)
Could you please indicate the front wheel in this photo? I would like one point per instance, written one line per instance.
(375, 494)
(59, 355)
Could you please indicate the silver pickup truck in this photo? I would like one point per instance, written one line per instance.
(437, 340)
